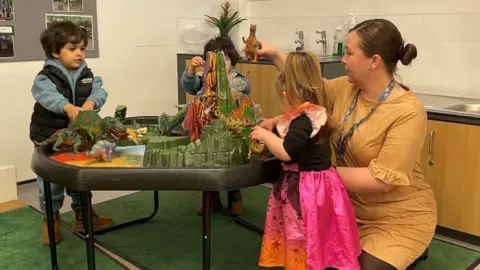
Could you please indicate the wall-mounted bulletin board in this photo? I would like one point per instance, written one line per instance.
(22, 22)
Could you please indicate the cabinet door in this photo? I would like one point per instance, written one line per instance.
(262, 79)
(452, 167)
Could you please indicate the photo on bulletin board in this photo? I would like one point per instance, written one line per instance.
(67, 5)
(85, 21)
(6, 10)
(7, 43)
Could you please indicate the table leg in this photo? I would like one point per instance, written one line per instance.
(88, 226)
(50, 224)
(140, 220)
(240, 220)
(206, 229)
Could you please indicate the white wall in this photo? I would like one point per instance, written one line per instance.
(138, 46)
(139, 42)
(445, 33)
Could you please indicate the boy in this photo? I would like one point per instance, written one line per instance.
(64, 87)
(239, 84)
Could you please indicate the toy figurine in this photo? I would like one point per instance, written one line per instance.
(102, 150)
(251, 44)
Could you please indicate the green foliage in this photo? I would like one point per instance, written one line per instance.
(226, 21)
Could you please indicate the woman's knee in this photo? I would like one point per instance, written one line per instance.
(370, 262)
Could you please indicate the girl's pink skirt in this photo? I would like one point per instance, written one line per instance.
(310, 223)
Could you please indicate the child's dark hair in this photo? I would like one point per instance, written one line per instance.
(224, 44)
(58, 34)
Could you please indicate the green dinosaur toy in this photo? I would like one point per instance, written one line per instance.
(166, 123)
(87, 129)
(90, 122)
(66, 137)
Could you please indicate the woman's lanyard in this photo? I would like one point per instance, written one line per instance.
(342, 142)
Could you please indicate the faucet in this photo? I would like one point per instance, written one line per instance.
(299, 40)
(323, 40)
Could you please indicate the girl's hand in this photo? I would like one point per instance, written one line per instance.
(267, 124)
(258, 133)
(267, 51)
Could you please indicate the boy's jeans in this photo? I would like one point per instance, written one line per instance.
(58, 197)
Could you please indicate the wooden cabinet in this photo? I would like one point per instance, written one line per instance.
(451, 163)
(262, 80)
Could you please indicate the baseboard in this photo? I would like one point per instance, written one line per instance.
(471, 241)
(8, 184)
(28, 181)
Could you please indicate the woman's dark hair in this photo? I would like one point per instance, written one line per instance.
(382, 37)
(224, 44)
(58, 34)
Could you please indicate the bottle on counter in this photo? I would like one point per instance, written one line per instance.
(338, 41)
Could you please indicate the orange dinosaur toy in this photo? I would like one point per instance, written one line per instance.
(251, 44)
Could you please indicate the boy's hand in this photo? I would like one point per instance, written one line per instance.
(197, 61)
(72, 111)
(88, 105)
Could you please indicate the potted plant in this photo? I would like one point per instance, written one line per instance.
(227, 20)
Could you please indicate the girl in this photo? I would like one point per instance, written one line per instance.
(310, 223)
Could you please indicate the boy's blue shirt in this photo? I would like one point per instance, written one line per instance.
(191, 84)
(45, 92)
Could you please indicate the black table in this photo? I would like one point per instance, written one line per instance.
(86, 179)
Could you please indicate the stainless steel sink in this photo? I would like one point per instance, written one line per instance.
(465, 107)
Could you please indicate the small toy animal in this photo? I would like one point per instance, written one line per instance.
(102, 150)
(251, 44)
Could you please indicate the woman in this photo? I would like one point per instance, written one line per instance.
(380, 132)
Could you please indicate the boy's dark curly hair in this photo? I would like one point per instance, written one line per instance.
(224, 44)
(58, 34)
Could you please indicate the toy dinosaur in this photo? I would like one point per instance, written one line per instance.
(166, 123)
(66, 137)
(89, 122)
(102, 150)
(88, 128)
(251, 44)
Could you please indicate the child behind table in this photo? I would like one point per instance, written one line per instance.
(64, 87)
(193, 83)
(310, 222)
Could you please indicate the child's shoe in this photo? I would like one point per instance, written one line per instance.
(215, 203)
(56, 225)
(237, 204)
(99, 223)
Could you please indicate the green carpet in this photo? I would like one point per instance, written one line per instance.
(21, 246)
(172, 239)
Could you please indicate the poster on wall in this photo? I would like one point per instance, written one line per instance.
(7, 43)
(85, 21)
(6, 10)
(67, 5)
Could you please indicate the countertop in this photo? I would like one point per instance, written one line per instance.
(330, 59)
(435, 106)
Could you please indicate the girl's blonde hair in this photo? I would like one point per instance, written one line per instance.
(302, 81)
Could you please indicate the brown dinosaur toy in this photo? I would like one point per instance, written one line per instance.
(251, 44)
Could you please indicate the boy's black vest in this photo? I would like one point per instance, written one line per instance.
(44, 122)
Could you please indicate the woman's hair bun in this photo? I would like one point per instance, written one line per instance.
(407, 54)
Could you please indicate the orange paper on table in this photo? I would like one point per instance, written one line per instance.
(81, 160)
